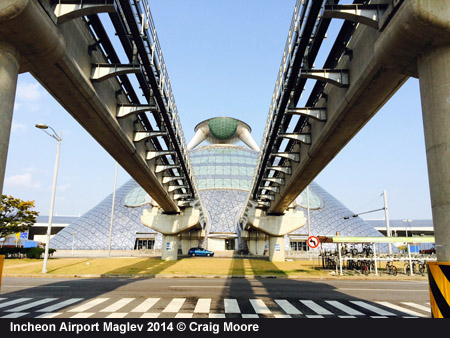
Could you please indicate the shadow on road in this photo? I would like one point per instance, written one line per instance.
(258, 295)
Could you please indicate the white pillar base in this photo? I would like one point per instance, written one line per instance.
(169, 250)
(276, 249)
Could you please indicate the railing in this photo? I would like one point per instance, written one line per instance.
(300, 37)
(144, 21)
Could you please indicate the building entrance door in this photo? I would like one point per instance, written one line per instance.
(229, 244)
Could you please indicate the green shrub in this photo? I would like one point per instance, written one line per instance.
(24, 252)
(34, 252)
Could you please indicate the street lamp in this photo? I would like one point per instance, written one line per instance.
(411, 272)
(73, 241)
(58, 138)
(409, 226)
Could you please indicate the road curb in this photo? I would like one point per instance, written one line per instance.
(331, 277)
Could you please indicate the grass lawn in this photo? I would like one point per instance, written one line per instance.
(184, 267)
(152, 266)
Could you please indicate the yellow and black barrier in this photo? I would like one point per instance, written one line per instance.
(439, 282)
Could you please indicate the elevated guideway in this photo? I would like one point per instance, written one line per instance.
(128, 107)
(380, 45)
(67, 49)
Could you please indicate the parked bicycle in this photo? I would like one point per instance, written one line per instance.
(391, 268)
(367, 250)
(417, 267)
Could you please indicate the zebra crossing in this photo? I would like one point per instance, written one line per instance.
(105, 307)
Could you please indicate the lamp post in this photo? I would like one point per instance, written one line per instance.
(112, 211)
(73, 241)
(411, 272)
(408, 226)
(386, 218)
(58, 138)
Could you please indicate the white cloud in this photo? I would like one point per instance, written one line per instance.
(15, 127)
(63, 187)
(24, 180)
(29, 91)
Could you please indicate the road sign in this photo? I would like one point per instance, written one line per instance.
(313, 242)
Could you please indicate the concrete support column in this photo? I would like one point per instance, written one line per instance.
(276, 249)
(9, 70)
(434, 76)
(169, 250)
(256, 243)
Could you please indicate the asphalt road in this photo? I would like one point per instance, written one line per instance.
(250, 297)
(218, 287)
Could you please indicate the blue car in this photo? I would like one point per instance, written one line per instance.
(200, 252)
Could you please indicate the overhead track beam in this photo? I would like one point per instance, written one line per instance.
(336, 77)
(101, 72)
(69, 10)
(319, 114)
(369, 15)
(145, 135)
(126, 110)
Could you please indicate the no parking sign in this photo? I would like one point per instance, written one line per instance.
(313, 242)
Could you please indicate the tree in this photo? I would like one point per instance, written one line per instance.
(15, 215)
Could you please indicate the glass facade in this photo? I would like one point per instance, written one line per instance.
(224, 167)
(224, 174)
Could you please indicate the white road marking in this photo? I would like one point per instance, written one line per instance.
(250, 316)
(231, 306)
(117, 305)
(146, 305)
(316, 307)
(418, 306)
(88, 305)
(287, 307)
(314, 316)
(259, 306)
(203, 305)
(117, 315)
(184, 315)
(402, 309)
(30, 305)
(49, 315)
(216, 315)
(83, 315)
(150, 315)
(15, 315)
(60, 305)
(175, 305)
(15, 301)
(372, 308)
(348, 310)
(281, 316)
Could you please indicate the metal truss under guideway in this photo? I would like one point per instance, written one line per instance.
(65, 45)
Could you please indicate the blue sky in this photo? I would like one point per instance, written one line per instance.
(222, 58)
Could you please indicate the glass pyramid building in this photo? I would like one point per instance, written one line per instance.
(224, 173)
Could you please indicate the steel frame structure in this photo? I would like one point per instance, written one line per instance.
(136, 31)
(309, 25)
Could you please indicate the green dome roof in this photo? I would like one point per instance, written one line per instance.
(223, 127)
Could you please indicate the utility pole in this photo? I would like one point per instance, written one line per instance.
(112, 211)
(308, 213)
(386, 216)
